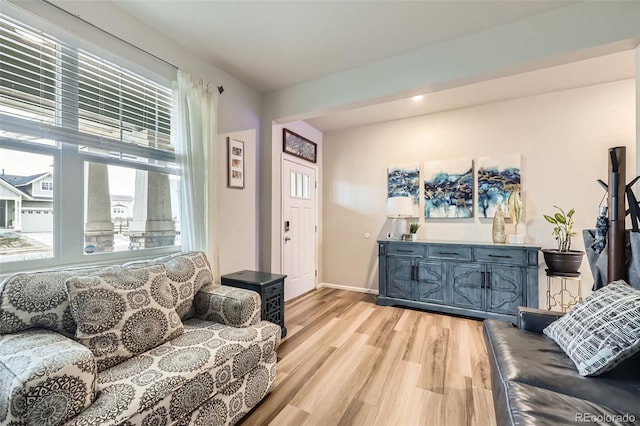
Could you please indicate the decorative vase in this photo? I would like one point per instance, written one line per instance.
(414, 237)
(516, 210)
(497, 233)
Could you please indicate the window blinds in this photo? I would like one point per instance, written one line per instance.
(53, 91)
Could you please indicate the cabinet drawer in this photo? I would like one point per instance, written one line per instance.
(448, 252)
(511, 257)
(405, 249)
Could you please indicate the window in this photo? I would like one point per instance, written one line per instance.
(80, 115)
(300, 185)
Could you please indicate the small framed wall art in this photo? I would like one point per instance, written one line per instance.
(294, 144)
(235, 163)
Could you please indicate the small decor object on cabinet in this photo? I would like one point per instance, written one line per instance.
(497, 232)
(516, 210)
(301, 147)
(235, 163)
(399, 209)
(562, 260)
(413, 229)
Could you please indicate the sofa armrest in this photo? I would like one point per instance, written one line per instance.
(228, 305)
(45, 378)
(533, 319)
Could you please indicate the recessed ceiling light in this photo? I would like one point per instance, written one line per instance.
(417, 98)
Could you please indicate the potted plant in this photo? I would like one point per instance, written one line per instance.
(562, 260)
(413, 228)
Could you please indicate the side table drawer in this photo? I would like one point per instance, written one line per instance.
(277, 288)
(511, 257)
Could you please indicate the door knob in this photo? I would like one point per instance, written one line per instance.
(287, 239)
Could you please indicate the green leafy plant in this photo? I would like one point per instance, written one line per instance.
(563, 229)
(413, 227)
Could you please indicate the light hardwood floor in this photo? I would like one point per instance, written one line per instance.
(347, 361)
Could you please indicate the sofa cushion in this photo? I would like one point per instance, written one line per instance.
(602, 331)
(122, 312)
(183, 373)
(527, 405)
(228, 305)
(45, 378)
(226, 407)
(37, 300)
(536, 360)
(188, 272)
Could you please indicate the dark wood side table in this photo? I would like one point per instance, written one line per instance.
(269, 286)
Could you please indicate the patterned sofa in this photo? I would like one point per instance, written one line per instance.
(147, 343)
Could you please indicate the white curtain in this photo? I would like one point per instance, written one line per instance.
(194, 129)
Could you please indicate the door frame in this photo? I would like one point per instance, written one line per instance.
(315, 187)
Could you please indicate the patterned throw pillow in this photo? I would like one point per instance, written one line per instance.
(188, 273)
(38, 300)
(121, 312)
(602, 331)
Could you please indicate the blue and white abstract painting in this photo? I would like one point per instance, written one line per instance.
(404, 181)
(448, 189)
(497, 176)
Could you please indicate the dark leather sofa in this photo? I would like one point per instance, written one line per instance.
(535, 383)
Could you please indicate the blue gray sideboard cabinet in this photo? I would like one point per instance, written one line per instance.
(480, 280)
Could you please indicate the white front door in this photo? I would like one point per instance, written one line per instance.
(298, 228)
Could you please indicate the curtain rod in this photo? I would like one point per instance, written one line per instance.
(120, 39)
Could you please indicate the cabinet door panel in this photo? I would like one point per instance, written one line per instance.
(399, 279)
(431, 281)
(466, 285)
(505, 292)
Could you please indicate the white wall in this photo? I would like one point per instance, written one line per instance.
(237, 208)
(563, 138)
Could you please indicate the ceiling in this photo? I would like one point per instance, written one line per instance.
(271, 45)
(602, 69)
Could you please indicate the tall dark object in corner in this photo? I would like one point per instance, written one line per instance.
(616, 244)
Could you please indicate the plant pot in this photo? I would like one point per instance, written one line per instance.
(563, 262)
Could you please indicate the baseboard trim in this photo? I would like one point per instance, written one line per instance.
(348, 288)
